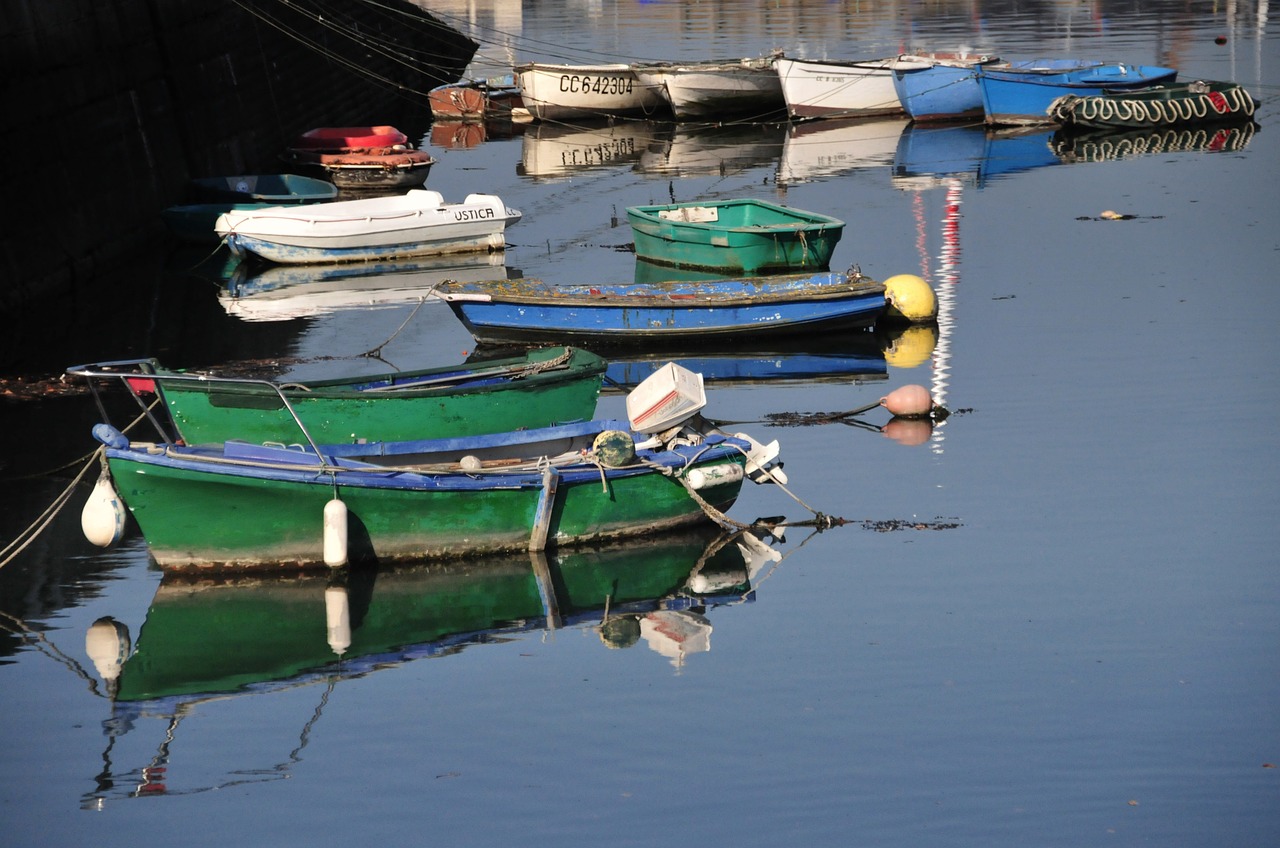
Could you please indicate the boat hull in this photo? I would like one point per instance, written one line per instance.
(417, 223)
(939, 89)
(717, 90)
(736, 236)
(560, 92)
(1171, 105)
(1020, 93)
(275, 189)
(374, 168)
(679, 312)
(814, 89)
(543, 388)
(262, 508)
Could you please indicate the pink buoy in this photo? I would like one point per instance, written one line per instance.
(908, 402)
(908, 431)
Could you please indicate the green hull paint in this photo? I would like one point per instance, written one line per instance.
(338, 411)
(194, 519)
(203, 637)
(748, 236)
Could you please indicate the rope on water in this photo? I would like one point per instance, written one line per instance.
(376, 352)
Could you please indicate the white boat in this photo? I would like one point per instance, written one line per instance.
(822, 89)
(417, 223)
(714, 90)
(568, 92)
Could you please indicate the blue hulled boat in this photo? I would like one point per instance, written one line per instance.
(1021, 92)
(940, 87)
(688, 312)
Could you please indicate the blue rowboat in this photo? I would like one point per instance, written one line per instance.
(688, 312)
(744, 236)
(1022, 92)
(940, 87)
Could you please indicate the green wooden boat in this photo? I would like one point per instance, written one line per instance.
(745, 235)
(205, 636)
(543, 387)
(271, 507)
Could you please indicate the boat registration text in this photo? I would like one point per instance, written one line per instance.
(585, 83)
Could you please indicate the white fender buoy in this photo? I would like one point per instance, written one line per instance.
(908, 401)
(909, 298)
(102, 519)
(335, 533)
(714, 475)
(337, 616)
(108, 644)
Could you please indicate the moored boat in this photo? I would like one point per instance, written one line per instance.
(240, 505)
(212, 196)
(748, 88)
(744, 235)
(940, 86)
(476, 99)
(1164, 105)
(416, 223)
(536, 389)
(832, 89)
(563, 92)
(1021, 92)
(278, 189)
(367, 168)
(685, 312)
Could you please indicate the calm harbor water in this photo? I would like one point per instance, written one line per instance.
(1050, 622)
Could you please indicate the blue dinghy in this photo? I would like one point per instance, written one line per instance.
(1021, 92)
(687, 311)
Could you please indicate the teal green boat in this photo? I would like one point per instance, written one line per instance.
(735, 236)
(205, 636)
(543, 387)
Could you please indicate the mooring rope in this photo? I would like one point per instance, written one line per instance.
(24, 539)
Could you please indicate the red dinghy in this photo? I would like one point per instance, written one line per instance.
(361, 157)
(349, 138)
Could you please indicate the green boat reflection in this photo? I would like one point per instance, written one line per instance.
(205, 636)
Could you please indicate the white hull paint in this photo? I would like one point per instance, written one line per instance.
(565, 92)
(814, 89)
(714, 89)
(417, 223)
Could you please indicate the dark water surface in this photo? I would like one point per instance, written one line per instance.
(1057, 627)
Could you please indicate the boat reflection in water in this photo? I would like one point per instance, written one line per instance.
(933, 156)
(1102, 146)
(686, 150)
(820, 149)
(206, 639)
(264, 292)
(561, 150)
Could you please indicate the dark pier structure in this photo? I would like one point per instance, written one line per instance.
(110, 106)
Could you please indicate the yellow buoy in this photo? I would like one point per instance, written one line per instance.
(909, 298)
